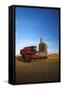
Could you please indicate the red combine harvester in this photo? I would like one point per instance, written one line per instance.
(31, 52)
(28, 53)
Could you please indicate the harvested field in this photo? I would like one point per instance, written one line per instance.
(38, 70)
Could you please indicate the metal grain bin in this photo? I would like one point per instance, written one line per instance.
(42, 49)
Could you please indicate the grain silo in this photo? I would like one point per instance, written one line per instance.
(42, 48)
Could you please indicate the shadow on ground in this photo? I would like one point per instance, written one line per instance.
(20, 58)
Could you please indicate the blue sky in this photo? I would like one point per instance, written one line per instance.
(33, 24)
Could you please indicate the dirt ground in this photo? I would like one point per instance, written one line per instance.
(38, 70)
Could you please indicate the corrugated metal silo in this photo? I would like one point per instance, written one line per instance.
(42, 48)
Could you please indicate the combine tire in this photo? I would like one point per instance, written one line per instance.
(27, 58)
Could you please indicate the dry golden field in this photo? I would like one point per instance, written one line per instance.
(38, 70)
